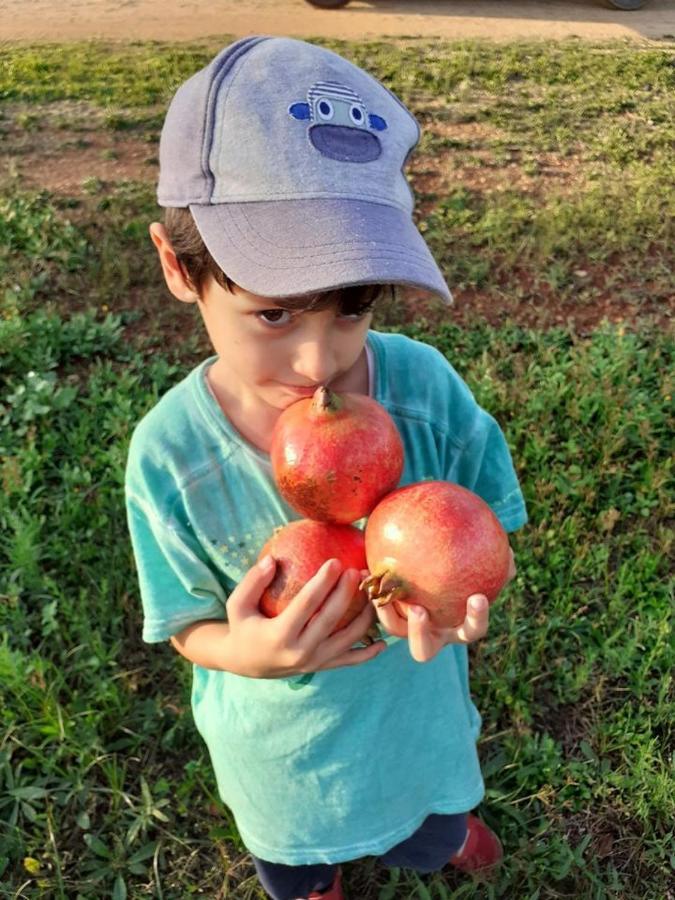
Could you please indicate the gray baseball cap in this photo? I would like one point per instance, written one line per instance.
(291, 159)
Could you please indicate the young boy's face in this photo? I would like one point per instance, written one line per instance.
(271, 355)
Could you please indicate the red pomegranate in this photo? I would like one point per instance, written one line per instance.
(334, 456)
(300, 549)
(435, 544)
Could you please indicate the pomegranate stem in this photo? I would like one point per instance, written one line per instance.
(325, 401)
(382, 589)
(397, 593)
(371, 585)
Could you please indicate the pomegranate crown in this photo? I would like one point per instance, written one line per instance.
(325, 401)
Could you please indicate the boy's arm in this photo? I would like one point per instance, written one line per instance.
(204, 643)
(297, 641)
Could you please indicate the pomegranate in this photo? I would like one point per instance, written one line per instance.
(435, 544)
(300, 549)
(334, 456)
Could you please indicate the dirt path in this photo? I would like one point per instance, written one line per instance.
(47, 20)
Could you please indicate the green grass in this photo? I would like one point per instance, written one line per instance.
(105, 788)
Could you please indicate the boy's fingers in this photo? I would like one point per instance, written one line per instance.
(311, 597)
(422, 641)
(352, 633)
(392, 621)
(477, 619)
(245, 598)
(356, 656)
(333, 608)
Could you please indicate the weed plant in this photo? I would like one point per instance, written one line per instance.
(105, 788)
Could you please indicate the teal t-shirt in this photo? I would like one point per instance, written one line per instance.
(351, 762)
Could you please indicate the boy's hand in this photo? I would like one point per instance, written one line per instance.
(424, 638)
(299, 639)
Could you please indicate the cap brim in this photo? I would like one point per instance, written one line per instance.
(286, 248)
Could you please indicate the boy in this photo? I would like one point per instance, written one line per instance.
(287, 215)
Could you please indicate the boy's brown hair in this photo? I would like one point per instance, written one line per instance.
(192, 253)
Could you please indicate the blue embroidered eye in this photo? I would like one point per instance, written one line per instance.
(325, 109)
(356, 115)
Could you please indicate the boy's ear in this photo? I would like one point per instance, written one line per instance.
(174, 274)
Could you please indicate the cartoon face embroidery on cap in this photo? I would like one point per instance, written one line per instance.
(342, 128)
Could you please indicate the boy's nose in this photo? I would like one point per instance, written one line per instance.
(314, 363)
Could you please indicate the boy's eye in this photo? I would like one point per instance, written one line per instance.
(359, 313)
(275, 316)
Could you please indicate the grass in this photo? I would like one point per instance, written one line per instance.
(105, 788)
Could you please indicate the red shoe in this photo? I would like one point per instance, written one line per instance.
(334, 892)
(481, 850)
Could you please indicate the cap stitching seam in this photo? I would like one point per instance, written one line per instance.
(263, 264)
(408, 254)
(315, 195)
(234, 67)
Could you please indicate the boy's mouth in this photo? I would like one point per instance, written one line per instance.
(302, 391)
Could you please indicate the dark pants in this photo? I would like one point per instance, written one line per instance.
(427, 850)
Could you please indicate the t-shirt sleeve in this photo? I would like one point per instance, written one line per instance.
(485, 466)
(177, 585)
(476, 454)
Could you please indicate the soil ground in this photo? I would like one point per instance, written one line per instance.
(47, 20)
